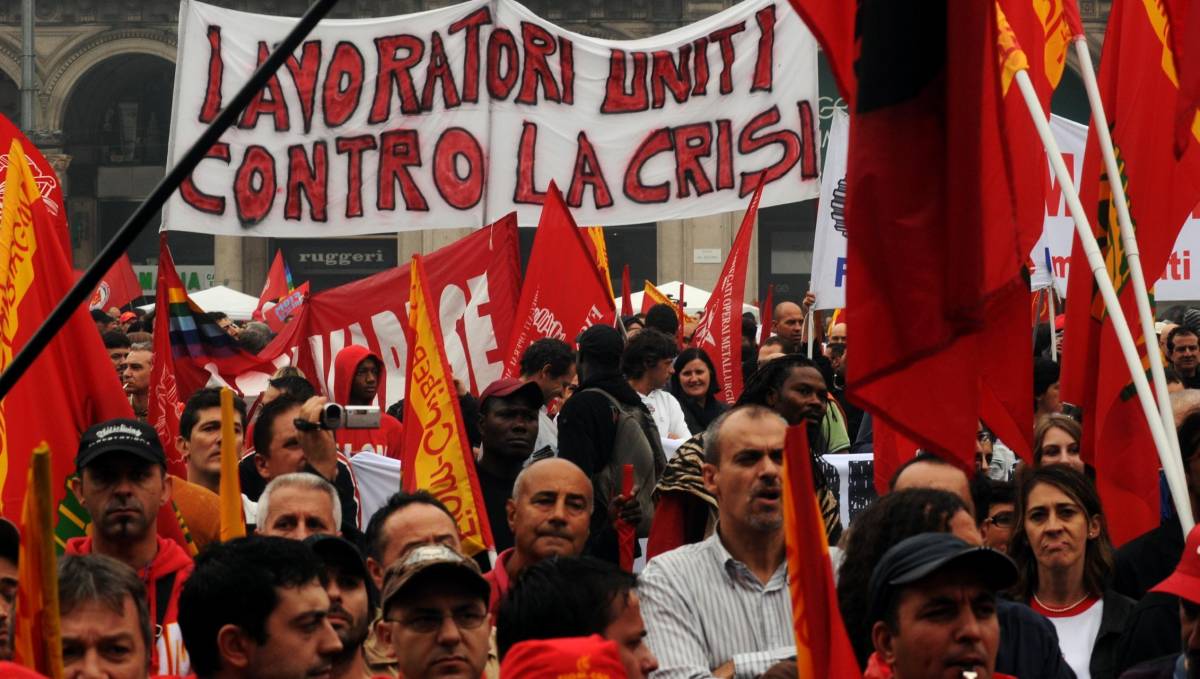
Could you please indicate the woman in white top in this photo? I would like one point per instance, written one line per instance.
(1065, 560)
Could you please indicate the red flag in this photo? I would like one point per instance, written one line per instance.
(277, 285)
(1074, 24)
(71, 385)
(1140, 91)
(287, 307)
(892, 449)
(437, 453)
(563, 294)
(626, 300)
(190, 351)
(1184, 17)
(118, 288)
(832, 22)
(822, 647)
(927, 97)
(766, 313)
(720, 329)
(37, 627)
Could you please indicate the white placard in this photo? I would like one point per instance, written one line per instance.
(829, 248)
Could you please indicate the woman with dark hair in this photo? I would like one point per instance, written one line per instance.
(1056, 441)
(694, 385)
(1065, 560)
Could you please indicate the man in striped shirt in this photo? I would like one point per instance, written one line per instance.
(721, 608)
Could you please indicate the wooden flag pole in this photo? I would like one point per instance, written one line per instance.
(1129, 242)
(1172, 464)
(232, 524)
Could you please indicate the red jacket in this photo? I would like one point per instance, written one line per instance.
(388, 439)
(171, 562)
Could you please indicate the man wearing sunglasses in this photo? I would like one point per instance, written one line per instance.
(997, 525)
(435, 615)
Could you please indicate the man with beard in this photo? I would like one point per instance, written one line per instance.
(352, 598)
(122, 482)
(1183, 350)
(135, 378)
(721, 607)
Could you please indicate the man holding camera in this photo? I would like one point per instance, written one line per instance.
(357, 376)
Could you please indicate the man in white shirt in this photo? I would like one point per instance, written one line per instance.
(647, 365)
(551, 364)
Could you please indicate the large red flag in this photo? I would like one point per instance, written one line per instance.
(437, 453)
(190, 352)
(1139, 89)
(1185, 20)
(119, 287)
(832, 22)
(564, 293)
(822, 646)
(926, 98)
(71, 385)
(766, 313)
(277, 285)
(720, 329)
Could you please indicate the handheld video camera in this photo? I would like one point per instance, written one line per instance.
(337, 416)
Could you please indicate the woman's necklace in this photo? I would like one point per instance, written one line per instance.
(1064, 609)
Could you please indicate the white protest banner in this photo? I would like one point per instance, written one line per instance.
(829, 248)
(454, 117)
(1179, 281)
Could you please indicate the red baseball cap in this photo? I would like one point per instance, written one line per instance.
(509, 386)
(1185, 581)
(592, 657)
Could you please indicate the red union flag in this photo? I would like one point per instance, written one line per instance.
(720, 330)
(437, 453)
(564, 293)
(118, 288)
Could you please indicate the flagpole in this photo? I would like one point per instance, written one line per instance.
(1172, 465)
(1050, 308)
(808, 328)
(1129, 242)
(137, 221)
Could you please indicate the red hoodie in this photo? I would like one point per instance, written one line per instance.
(389, 437)
(169, 657)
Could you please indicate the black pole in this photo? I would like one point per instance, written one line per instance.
(137, 221)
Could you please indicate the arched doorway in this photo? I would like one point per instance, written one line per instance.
(10, 99)
(115, 129)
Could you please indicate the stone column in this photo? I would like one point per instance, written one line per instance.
(256, 261)
(227, 262)
(678, 240)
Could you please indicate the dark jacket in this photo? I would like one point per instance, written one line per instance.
(1152, 630)
(587, 429)
(1159, 668)
(1117, 610)
(1148, 559)
(1028, 644)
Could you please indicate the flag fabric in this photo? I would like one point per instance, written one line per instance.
(287, 307)
(119, 287)
(720, 330)
(822, 647)
(233, 524)
(190, 351)
(36, 628)
(437, 453)
(1140, 90)
(35, 274)
(832, 23)
(926, 96)
(766, 313)
(277, 285)
(1185, 20)
(651, 296)
(564, 293)
(626, 300)
(599, 252)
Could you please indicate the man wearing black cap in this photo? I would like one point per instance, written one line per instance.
(508, 423)
(351, 602)
(603, 427)
(435, 616)
(122, 482)
(10, 549)
(933, 602)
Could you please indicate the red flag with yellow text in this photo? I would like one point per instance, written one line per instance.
(822, 647)
(720, 331)
(564, 293)
(71, 385)
(437, 453)
(1139, 89)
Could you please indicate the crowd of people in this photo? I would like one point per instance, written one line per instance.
(1007, 570)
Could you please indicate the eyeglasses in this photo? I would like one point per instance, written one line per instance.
(1001, 519)
(427, 623)
(984, 435)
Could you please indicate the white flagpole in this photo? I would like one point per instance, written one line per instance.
(1128, 241)
(1172, 464)
(808, 321)
(1053, 331)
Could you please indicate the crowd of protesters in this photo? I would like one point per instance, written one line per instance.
(1004, 571)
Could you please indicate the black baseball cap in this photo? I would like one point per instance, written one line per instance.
(920, 556)
(127, 436)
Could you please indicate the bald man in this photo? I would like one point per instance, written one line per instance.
(930, 471)
(549, 514)
(788, 322)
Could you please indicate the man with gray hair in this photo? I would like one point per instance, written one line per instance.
(721, 608)
(298, 505)
(105, 620)
(549, 513)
